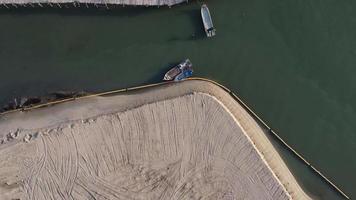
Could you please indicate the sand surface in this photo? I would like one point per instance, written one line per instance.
(183, 141)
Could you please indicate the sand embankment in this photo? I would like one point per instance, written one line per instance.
(189, 140)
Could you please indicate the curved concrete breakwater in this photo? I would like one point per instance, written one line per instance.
(188, 140)
(58, 3)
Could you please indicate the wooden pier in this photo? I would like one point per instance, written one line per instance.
(87, 3)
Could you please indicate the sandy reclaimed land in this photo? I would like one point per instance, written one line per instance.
(189, 140)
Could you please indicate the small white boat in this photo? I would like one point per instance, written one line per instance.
(207, 21)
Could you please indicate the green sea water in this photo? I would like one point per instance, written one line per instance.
(292, 61)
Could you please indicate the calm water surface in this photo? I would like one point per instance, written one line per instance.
(292, 61)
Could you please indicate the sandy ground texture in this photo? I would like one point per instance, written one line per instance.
(182, 141)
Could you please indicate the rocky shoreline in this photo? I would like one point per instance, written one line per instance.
(25, 102)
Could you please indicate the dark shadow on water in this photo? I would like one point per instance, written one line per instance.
(160, 74)
(197, 24)
(68, 10)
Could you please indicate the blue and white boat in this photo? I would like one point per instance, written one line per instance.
(180, 72)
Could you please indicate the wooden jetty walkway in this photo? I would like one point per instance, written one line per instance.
(86, 3)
